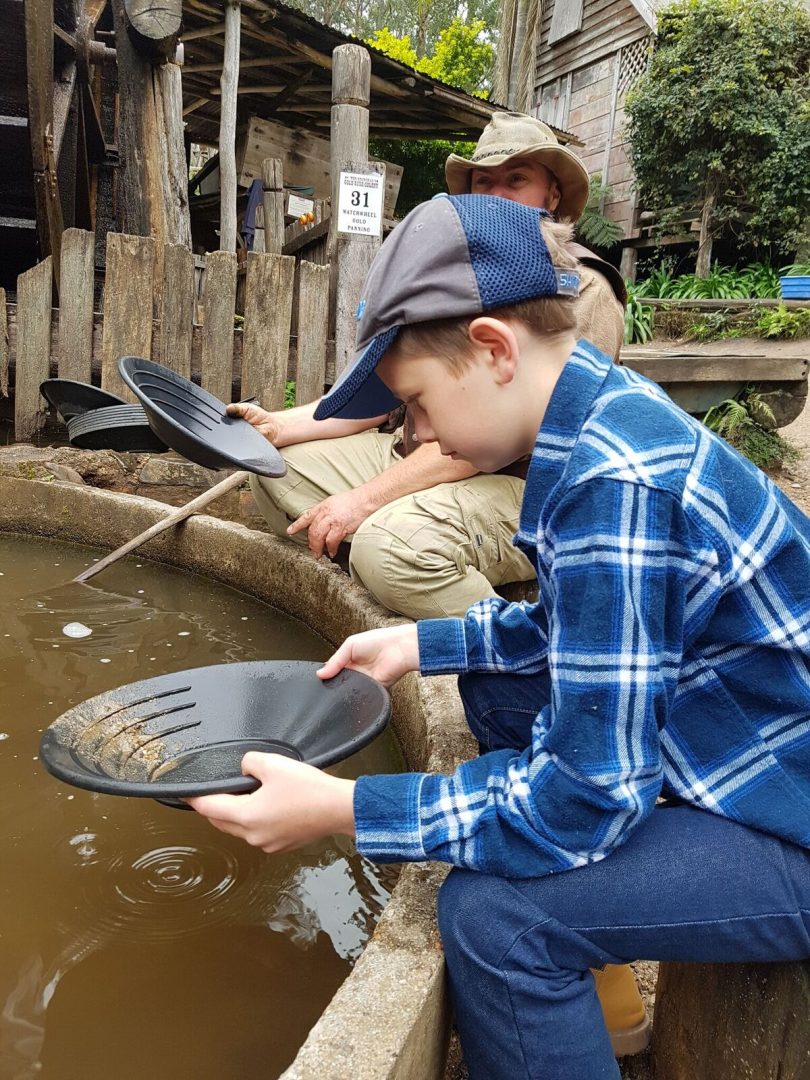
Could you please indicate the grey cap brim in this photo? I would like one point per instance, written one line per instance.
(360, 393)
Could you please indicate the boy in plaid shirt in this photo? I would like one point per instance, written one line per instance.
(668, 655)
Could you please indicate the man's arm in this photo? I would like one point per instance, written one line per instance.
(288, 427)
(341, 515)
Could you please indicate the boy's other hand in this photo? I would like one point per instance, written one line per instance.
(295, 805)
(331, 521)
(264, 422)
(386, 654)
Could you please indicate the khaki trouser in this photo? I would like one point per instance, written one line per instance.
(426, 555)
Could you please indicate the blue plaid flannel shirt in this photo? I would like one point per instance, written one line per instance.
(673, 623)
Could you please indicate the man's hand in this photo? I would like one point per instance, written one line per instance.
(295, 805)
(265, 423)
(386, 654)
(331, 521)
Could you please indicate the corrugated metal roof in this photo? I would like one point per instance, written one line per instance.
(285, 75)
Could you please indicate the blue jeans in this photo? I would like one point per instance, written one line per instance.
(688, 885)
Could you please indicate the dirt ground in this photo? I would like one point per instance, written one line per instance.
(795, 479)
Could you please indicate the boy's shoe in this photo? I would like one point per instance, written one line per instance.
(626, 1018)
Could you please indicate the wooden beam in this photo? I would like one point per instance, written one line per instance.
(204, 32)
(39, 60)
(229, 84)
(195, 104)
(245, 62)
(264, 88)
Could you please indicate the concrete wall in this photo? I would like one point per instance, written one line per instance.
(389, 1020)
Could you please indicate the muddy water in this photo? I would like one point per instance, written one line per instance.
(135, 940)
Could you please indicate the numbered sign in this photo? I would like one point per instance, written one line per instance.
(360, 203)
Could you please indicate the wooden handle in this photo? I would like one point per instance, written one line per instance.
(174, 518)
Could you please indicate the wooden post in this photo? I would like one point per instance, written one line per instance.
(273, 205)
(177, 318)
(138, 180)
(76, 305)
(219, 302)
(727, 1021)
(313, 326)
(229, 84)
(3, 345)
(169, 96)
(34, 294)
(154, 26)
(266, 344)
(351, 256)
(128, 298)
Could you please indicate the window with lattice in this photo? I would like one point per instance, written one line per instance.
(566, 19)
(635, 58)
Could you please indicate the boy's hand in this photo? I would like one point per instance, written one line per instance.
(331, 521)
(386, 654)
(295, 805)
(264, 422)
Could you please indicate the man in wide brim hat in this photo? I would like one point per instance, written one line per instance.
(515, 138)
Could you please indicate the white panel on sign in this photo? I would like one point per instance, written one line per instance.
(360, 204)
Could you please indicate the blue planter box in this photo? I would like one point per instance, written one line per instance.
(795, 288)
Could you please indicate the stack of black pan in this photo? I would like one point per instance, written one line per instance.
(98, 420)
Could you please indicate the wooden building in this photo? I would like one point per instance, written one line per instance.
(589, 54)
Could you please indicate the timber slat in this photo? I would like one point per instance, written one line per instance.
(669, 367)
(34, 292)
(219, 302)
(128, 294)
(177, 322)
(268, 310)
(232, 357)
(313, 326)
(76, 309)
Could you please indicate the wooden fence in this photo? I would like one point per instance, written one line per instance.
(155, 306)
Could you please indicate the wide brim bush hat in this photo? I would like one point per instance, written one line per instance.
(510, 135)
(455, 256)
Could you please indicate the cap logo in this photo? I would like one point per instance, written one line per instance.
(361, 307)
(567, 282)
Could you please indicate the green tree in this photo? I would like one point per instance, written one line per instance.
(420, 21)
(463, 58)
(721, 120)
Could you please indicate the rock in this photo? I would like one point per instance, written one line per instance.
(99, 468)
(175, 472)
(65, 472)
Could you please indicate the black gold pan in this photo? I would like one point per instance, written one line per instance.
(185, 734)
(195, 424)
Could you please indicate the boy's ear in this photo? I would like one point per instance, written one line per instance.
(496, 341)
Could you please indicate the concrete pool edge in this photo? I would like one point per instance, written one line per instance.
(389, 1019)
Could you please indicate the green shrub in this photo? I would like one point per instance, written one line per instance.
(594, 227)
(783, 322)
(748, 423)
(638, 319)
(799, 269)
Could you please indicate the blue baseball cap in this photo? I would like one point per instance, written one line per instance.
(454, 256)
